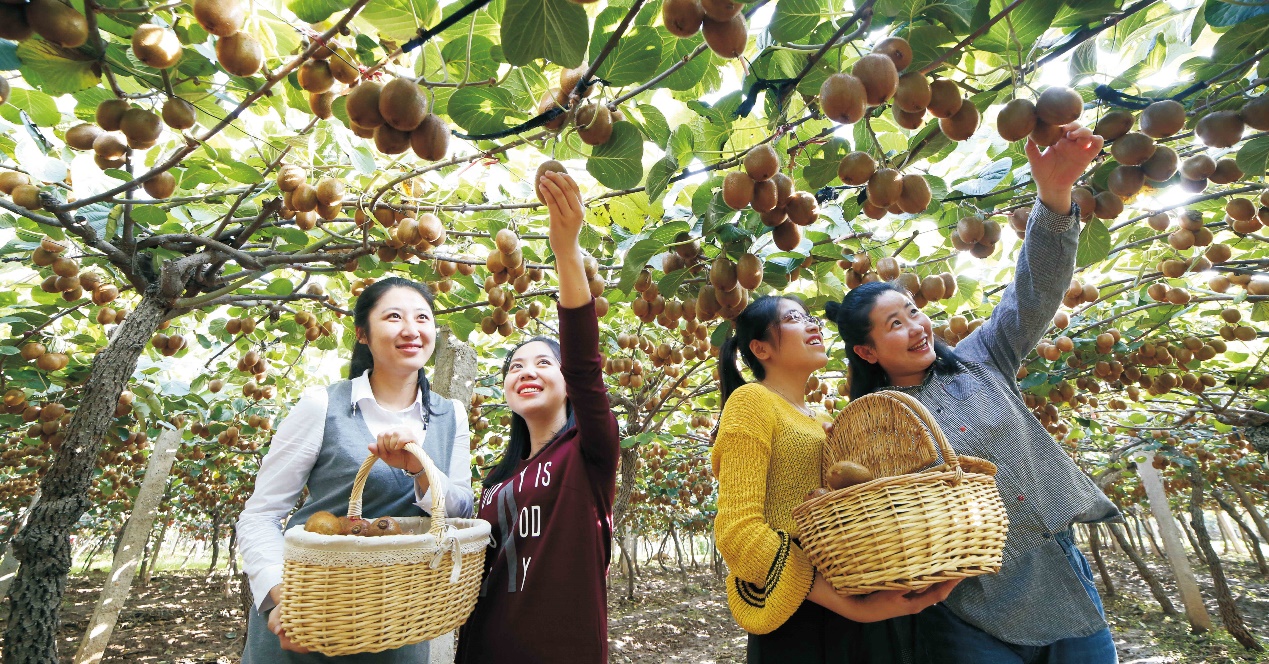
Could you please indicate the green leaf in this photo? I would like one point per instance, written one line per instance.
(314, 11)
(1224, 14)
(482, 110)
(551, 29)
(633, 60)
(674, 50)
(636, 259)
(149, 215)
(1025, 24)
(793, 20)
(400, 19)
(618, 164)
(56, 70)
(929, 42)
(659, 176)
(240, 172)
(41, 107)
(654, 126)
(281, 287)
(1094, 243)
(1253, 156)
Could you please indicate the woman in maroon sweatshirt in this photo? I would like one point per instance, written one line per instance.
(549, 499)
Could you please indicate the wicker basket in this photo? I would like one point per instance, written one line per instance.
(918, 523)
(343, 594)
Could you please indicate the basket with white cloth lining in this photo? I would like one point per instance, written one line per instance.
(343, 594)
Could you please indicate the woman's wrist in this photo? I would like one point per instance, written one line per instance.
(1058, 200)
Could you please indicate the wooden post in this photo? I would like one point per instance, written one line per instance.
(1197, 614)
(119, 583)
(1249, 504)
(1249, 537)
(1232, 540)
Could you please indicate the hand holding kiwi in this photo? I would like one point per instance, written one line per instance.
(1056, 170)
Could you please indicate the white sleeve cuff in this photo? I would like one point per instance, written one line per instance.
(263, 582)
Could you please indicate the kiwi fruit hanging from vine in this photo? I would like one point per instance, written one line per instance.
(1059, 105)
(1016, 120)
(682, 18)
(1162, 119)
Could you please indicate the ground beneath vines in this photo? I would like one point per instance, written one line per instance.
(184, 617)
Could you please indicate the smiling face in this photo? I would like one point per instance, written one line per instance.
(401, 332)
(901, 340)
(794, 342)
(533, 384)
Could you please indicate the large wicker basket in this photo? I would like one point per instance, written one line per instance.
(919, 523)
(343, 594)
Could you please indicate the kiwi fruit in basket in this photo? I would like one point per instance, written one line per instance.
(847, 473)
(323, 523)
(816, 493)
(385, 526)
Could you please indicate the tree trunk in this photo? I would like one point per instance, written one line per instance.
(1194, 543)
(1228, 609)
(43, 546)
(678, 554)
(1252, 542)
(1095, 545)
(1141, 544)
(1249, 504)
(9, 563)
(119, 584)
(1200, 621)
(1151, 532)
(1156, 588)
(1229, 535)
(215, 542)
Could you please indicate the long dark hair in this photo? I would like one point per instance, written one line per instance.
(362, 359)
(755, 322)
(854, 324)
(519, 443)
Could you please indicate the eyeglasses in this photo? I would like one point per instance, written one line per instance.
(796, 317)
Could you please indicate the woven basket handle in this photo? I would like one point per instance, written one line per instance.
(950, 460)
(433, 477)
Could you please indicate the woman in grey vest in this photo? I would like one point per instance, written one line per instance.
(323, 441)
(1042, 606)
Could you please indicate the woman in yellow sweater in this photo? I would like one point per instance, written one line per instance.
(767, 459)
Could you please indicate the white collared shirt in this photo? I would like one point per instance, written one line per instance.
(292, 454)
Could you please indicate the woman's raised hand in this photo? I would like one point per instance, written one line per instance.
(880, 605)
(564, 202)
(1058, 167)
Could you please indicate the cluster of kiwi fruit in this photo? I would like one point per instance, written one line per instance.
(593, 120)
(1078, 293)
(243, 325)
(253, 362)
(305, 202)
(121, 127)
(976, 235)
(1190, 232)
(57, 22)
(167, 344)
(887, 191)
(1231, 330)
(325, 523)
(45, 360)
(957, 328)
(314, 329)
(762, 187)
(721, 21)
(1243, 216)
(46, 421)
(66, 278)
(1043, 119)
(445, 269)
(21, 189)
(416, 234)
(394, 114)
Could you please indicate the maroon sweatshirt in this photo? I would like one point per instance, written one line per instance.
(544, 597)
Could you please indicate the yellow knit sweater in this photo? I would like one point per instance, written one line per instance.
(766, 458)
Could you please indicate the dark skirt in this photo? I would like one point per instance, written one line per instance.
(815, 635)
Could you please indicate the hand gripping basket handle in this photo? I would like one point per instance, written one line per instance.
(950, 460)
(433, 478)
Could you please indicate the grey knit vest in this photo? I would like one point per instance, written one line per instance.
(388, 492)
